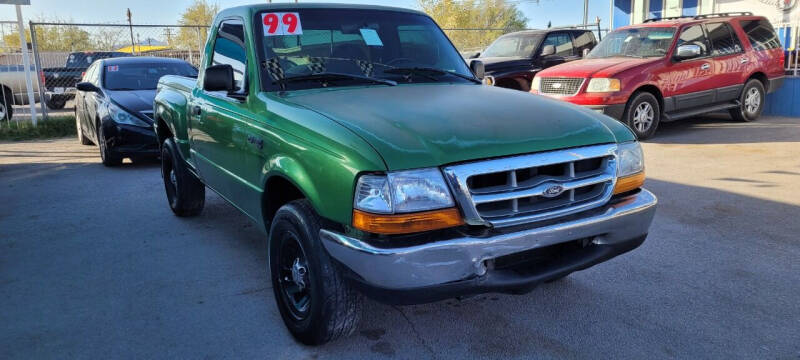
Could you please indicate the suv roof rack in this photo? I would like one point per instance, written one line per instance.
(705, 16)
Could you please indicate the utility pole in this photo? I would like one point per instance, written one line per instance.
(168, 33)
(130, 26)
(26, 61)
(585, 12)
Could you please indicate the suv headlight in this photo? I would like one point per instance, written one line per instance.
(536, 84)
(630, 167)
(603, 85)
(404, 202)
(123, 117)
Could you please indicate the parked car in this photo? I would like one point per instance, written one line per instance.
(59, 83)
(674, 68)
(114, 105)
(13, 90)
(378, 163)
(512, 60)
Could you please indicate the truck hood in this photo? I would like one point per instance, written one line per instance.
(499, 63)
(596, 67)
(425, 125)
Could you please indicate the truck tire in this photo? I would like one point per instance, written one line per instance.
(186, 194)
(56, 103)
(6, 104)
(642, 114)
(316, 303)
(751, 102)
(108, 157)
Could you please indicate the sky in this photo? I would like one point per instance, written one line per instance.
(559, 12)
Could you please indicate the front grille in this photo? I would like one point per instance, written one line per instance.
(527, 188)
(560, 86)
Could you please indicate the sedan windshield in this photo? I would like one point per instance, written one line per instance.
(142, 76)
(636, 42)
(347, 47)
(513, 46)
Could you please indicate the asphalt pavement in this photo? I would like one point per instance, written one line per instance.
(94, 265)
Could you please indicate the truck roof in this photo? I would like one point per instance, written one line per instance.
(246, 10)
(691, 20)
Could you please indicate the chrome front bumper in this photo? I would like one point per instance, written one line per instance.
(462, 258)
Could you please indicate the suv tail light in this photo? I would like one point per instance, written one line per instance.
(41, 76)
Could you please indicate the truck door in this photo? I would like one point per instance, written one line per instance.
(226, 142)
(565, 51)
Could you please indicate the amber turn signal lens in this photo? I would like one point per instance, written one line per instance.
(628, 183)
(406, 223)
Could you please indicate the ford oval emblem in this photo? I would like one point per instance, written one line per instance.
(553, 191)
(557, 86)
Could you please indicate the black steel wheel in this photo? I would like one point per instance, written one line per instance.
(186, 194)
(316, 302)
(109, 157)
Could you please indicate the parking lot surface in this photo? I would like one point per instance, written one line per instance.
(94, 265)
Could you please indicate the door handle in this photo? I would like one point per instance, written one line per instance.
(705, 66)
(196, 110)
(744, 60)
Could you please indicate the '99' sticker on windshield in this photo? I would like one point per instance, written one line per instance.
(281, 24)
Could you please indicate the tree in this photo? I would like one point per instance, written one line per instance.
(11, 41)
(478, 15)
(200, 12)
(109, 38)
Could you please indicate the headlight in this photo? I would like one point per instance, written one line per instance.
(536, 84)
(630, 167)
(404, 202)
(123, 117)
(403, 192)
(603, 85)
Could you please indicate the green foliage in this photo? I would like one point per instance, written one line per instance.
(200, 12)
(475, 14)
(67, 38)
(53, 127)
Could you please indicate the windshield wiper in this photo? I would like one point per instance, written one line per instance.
(428, 70)
(334, 76)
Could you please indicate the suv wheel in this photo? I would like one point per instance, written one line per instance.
(186, 194)
(316, 303)
(643, 114)
(751, 102)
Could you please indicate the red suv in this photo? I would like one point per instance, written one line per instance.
(674, 68)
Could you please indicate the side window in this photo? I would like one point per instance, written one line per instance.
(229, 49)
(97, 70)
(760, 34)
(561, 41)
(584, 41)
(723, 40)
(694, 35)
(87, 76)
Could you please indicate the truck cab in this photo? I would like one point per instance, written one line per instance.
(352, 135)
(512, 60)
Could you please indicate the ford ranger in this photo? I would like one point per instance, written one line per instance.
(378, 164)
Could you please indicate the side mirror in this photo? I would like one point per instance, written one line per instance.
(548, 50)
(218, 78)
(689, 51)
(586, 52)
(477, 68)
(87, 87)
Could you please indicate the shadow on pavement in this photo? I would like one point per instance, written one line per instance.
(721, 129)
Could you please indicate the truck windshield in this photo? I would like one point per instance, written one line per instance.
(636, 42)
(521, 45)
(354, 47)
(142, 76)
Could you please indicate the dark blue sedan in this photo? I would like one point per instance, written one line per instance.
(114, 105)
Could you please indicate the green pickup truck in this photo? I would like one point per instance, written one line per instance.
(377, 164)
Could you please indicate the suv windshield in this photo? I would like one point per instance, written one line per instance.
(521, 45)
(142, 76)
(346, 47)
(636, 42)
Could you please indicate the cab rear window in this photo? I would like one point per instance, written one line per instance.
(760, 34)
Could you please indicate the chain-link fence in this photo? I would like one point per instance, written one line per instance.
(63, 52)
(13, 87)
